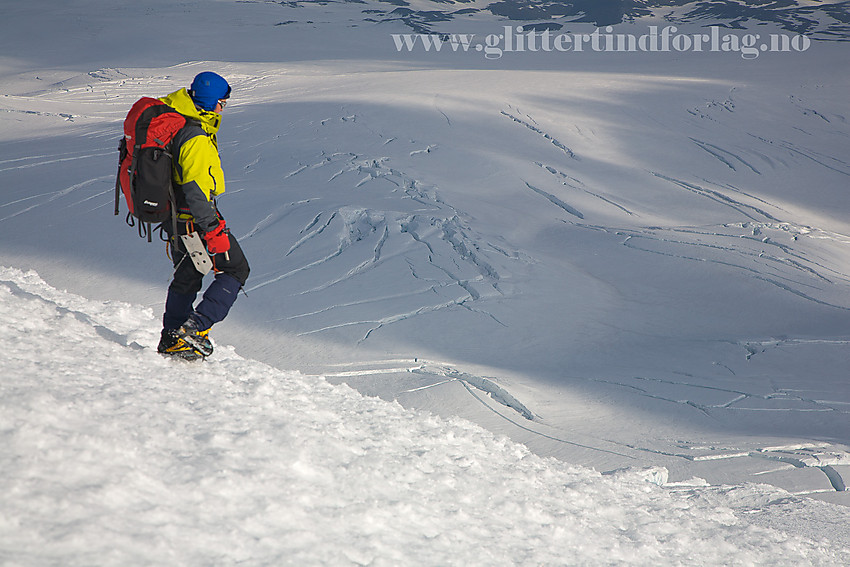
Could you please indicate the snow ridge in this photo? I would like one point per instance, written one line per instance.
(116, 456)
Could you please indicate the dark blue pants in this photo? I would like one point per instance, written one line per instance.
(231, 273)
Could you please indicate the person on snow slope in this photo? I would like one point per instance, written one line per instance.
(198, 179)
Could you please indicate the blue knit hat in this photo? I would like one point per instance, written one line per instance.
(208, 88)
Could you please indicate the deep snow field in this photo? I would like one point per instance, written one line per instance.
(588, 308)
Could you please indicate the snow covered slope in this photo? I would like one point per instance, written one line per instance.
(115, 456)
(617, 259)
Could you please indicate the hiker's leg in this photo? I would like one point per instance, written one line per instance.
(231, 274)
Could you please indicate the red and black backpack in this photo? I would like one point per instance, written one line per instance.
(144, 163)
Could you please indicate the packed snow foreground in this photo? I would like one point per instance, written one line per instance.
(113, 455)
(633, 262)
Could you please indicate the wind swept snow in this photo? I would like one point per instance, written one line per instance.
(114, 455)
(637, 263)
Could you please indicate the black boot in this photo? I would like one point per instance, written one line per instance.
(170, 344)
(190, 333)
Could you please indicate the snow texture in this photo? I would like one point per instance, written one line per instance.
(555, 308)
(114, 455)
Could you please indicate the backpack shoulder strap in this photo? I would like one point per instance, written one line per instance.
(191, 130)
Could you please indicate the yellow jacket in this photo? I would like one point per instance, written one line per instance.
(197, 174)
